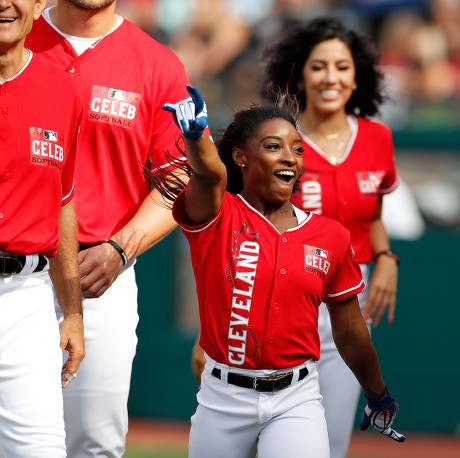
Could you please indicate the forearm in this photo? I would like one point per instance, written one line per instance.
(363, 362)
(151, 224)
(353, 342)
(378, 235)
(64, 266)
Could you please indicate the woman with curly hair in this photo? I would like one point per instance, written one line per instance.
(333, 73)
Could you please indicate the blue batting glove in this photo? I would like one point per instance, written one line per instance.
(381, 414)
(190, 115)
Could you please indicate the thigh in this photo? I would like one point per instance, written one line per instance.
(31, 406)
(300, 432)
(95, 403)
(224, 435)
(226, 422)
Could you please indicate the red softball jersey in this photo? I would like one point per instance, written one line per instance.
(349, 190)
(125, 78)
(40, 109)
(259, 290)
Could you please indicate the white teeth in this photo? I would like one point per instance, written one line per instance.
(5, 19)
(330, 93)
(288, 173)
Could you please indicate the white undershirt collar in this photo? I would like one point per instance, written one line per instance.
(79, 44)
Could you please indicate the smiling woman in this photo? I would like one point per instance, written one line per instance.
(262, 267)
(333, 73)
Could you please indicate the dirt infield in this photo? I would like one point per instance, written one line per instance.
(153, 434)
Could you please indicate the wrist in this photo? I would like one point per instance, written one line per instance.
(119, 249)
(388, 253)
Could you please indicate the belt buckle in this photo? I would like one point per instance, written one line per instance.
(4, 259)
(271, 378)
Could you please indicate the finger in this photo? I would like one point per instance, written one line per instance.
(169, 107)
(196, 97)
(378, 315)
(391, 311)
(66, 378)
(390, 432)
(365, 422)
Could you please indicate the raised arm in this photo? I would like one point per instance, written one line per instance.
(206, 187)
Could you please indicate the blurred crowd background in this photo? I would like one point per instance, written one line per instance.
(220, 43)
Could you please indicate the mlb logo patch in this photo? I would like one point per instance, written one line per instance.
(321, 252)
(369, 182)
(50, 135)
(117, 94)
(317, 260)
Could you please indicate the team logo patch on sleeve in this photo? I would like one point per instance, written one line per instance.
(317, 260)
(369, 182)
(46, 147)
(114, 106)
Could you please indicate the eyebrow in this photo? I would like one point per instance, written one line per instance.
(322, 61)
(275, 137)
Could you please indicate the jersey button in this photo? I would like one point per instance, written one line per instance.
(4, 89)
(276, 306)
(72, 70)
(282, 271)
(284, 239)
(1, 215)
(271, 340)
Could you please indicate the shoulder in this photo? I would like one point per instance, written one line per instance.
(373, 127)
(332, 225)
(46, 70)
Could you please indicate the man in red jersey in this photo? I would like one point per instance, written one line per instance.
(38, 243)
(125, 76)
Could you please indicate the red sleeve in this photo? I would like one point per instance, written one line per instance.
(390, 180)
(347, 280)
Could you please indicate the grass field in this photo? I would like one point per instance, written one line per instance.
(135, 452)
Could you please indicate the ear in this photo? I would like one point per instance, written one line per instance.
(38, 8)
(239, 158)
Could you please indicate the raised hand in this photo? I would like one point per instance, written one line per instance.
(190, 115)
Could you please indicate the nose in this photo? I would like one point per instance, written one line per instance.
(330, 75)
(290, 158)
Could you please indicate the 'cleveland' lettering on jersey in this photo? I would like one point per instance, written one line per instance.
(113, 106)
(310, 189)
(245, 272)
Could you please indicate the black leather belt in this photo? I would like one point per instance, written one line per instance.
(270, 384)
(14, 264)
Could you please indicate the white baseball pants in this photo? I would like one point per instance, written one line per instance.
(95, 403)
(234, 422)
(338, 385)
(31, 407)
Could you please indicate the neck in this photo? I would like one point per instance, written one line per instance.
(323, 125)
(83, 23)
(12, 61)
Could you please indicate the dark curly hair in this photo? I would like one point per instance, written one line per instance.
(242, 128)
(284, 62)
